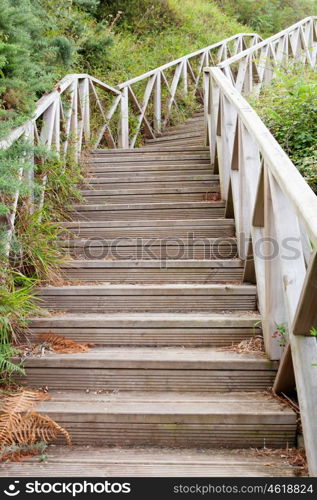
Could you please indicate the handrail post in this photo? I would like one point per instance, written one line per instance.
(29, 173)
(206, 83)
(185, 79)
(158, 103)
(124, 119)
(74, 121)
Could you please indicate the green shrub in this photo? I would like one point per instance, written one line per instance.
(268, 16)
(137, 16)
(35, 256)
(15, 306)
(288, 106)
(187, 26)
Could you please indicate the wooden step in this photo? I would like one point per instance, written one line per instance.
(175, 141)
(102, 192)
(188, 229)
(196, 126)
(149, 156)
(169, 248)
(101, 169)
(150, 180)
(186, 134)
(194, 119)
(176, 144)
(234, 420)
(145, 149)
(151, 369)
(84, 461)
(191, 145)
(148, 161)
(149, 298)
(164, 329)
(152, 176)
(183, 137)
(147, 211)
(154, 271)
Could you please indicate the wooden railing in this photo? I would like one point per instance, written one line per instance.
(153, 97)
(61, 122)
(276, 223)
(253, 67)
(83, 112)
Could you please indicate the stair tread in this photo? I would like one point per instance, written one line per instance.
(195, 134)
(213, 406)
(151, 328)
(152, 156)
(135, 264)
(153, 178)
(110, 191)
(174, 145)
(89, 461)
(247, 318)
(146, 149)
(153, 206)
(190, 222)
(146, 162)
(114, 169)
(81, 242)
(168, 288)
(181, 174)
(173, 358)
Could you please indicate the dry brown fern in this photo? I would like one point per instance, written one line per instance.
(18, 455)
(20, 425)
(12, 407)
(62, 345)
(36, 427)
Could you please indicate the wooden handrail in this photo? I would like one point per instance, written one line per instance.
(290, 180)
(83, 111)
(183, 75)
(276, 220)
(267, 41)
(251, 68)
(216, 45)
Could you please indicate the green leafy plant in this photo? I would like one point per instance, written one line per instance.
(313, 332)
(281, 334)
(16, 303)
(34, 250)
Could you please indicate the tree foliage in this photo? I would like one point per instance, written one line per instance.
(39, 42)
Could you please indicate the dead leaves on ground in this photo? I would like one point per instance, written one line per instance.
(18, 453)
(21, 425)
(63, 345)
(294, 456)
(253, 345)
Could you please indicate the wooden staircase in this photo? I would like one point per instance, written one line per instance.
(159, 291)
